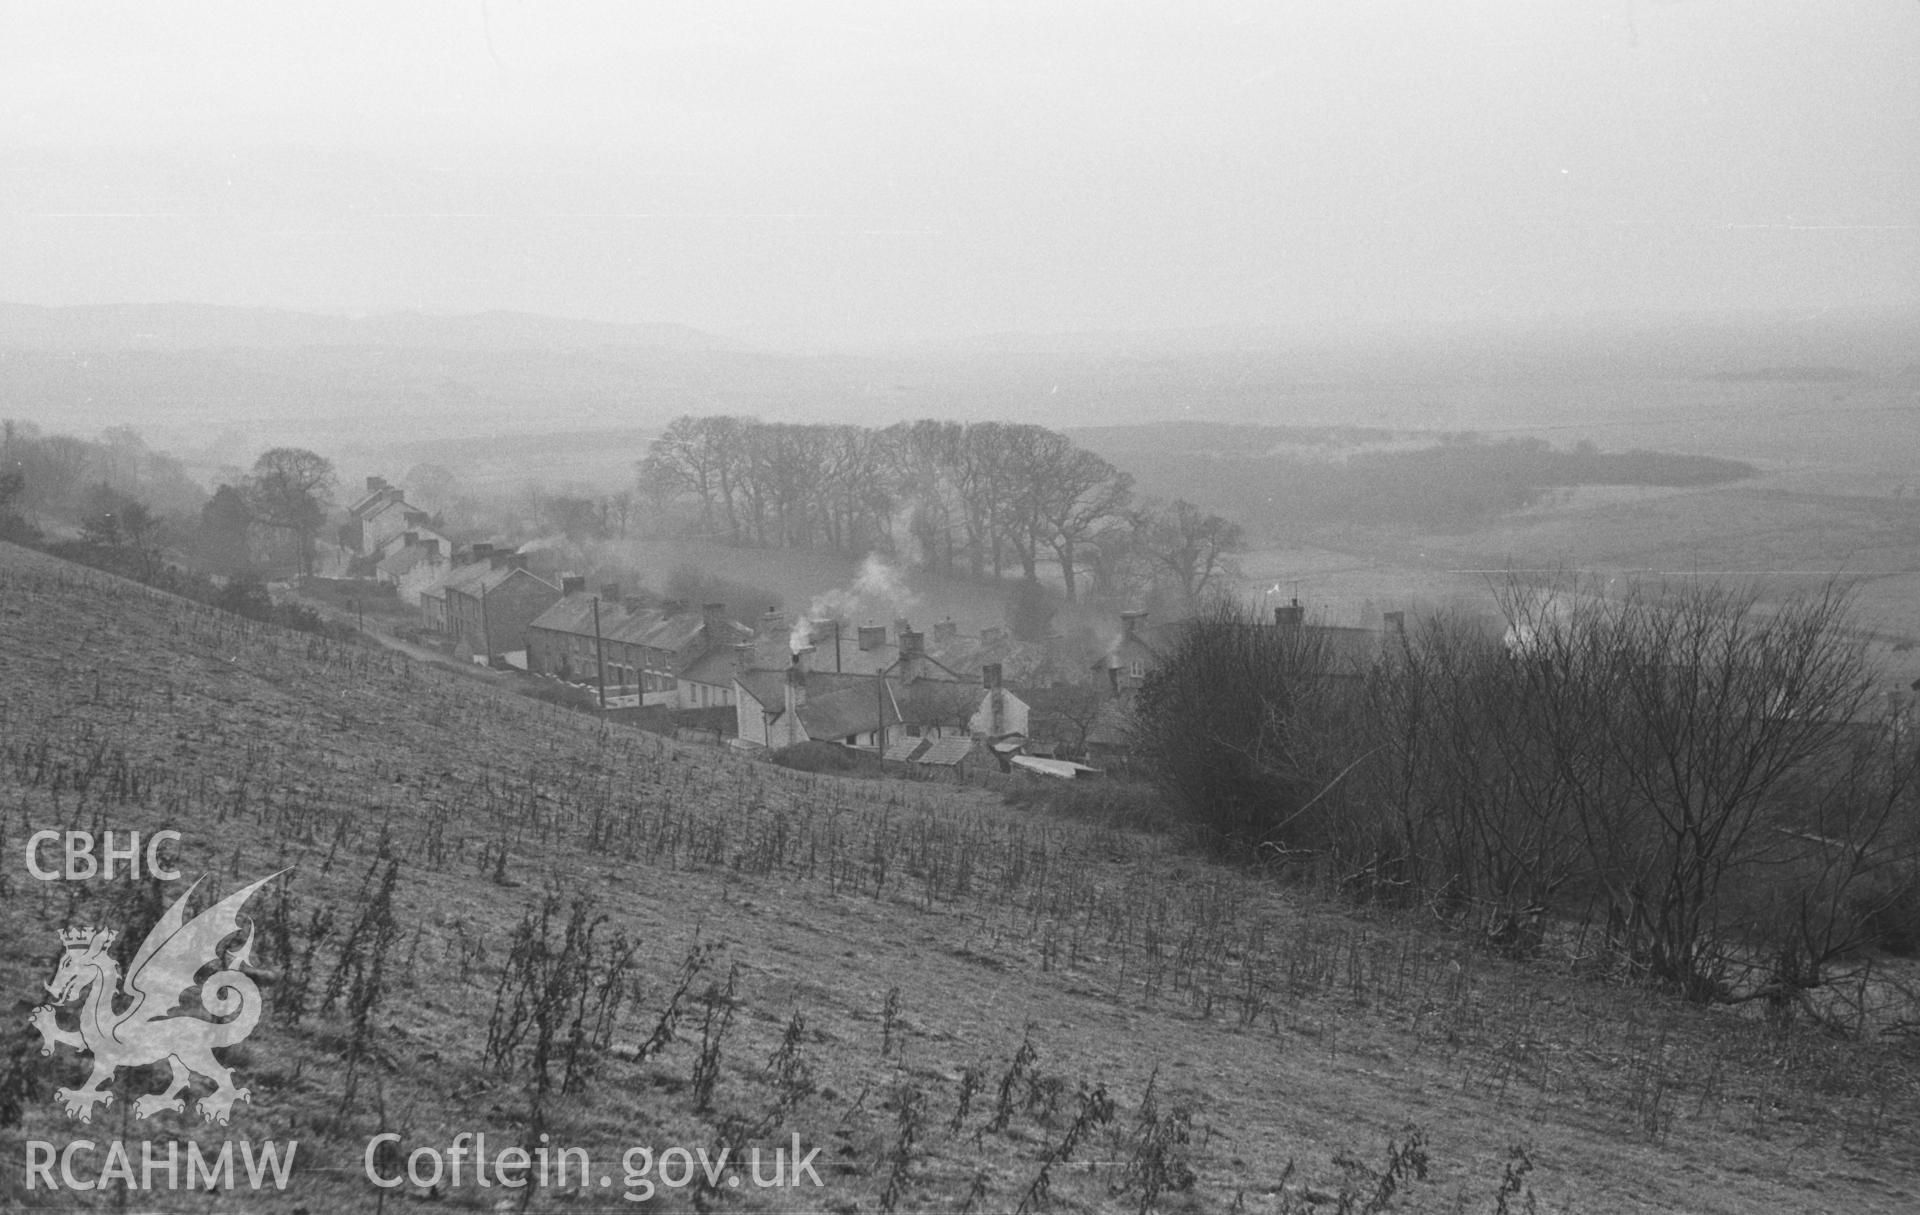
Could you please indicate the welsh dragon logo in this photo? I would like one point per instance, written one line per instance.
(145, 1031)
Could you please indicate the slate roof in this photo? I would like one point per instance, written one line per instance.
(405, 558)
(904, 750)
(770, 687)
(643, 626)
(839, 715)
(881, 659)
(375, 497)
(716, 667)
(479, 576)
(946, 752)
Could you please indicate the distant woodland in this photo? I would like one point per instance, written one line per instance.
(982, 498)
(1457, 483)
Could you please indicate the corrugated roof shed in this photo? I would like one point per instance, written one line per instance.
(1053, 767)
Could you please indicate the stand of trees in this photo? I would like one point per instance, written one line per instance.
(119, 494)
(1709, 780)
(985, 499)
(66, 479)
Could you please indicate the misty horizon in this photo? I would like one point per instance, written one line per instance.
(857, 175)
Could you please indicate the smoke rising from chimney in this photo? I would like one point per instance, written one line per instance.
(879, 591)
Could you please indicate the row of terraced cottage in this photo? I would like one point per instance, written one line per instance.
(939, 699)
(936, 699)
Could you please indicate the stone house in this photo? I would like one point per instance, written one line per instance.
(666, 656)
(487, 605)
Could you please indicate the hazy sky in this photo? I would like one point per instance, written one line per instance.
(907, 169)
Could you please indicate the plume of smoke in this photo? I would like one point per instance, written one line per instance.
(1536, 622)
(878, 591)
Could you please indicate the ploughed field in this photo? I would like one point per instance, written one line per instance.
(499, 917)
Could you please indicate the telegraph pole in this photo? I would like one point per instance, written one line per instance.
(599, 654)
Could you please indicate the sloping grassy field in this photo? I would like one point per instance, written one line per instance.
(960, 1004)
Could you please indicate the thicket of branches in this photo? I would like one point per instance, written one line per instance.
(1706, 778)
(983, 498)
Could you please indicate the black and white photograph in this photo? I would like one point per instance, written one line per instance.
(1274, 607)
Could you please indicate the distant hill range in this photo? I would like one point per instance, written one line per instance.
(187, 375)
(215, 327)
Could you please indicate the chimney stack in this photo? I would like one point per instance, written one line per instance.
(499, 558)
(573, 584)
(410, 538)
(796, 691)
(872, 637)
(772, 622)
(376, 484)
(1289, 616)
(990, 676)
(901, 627)
(433, 548)
(1130, 622)
(946, 630)
(610, 591)
(912, 644)
(713, 622)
